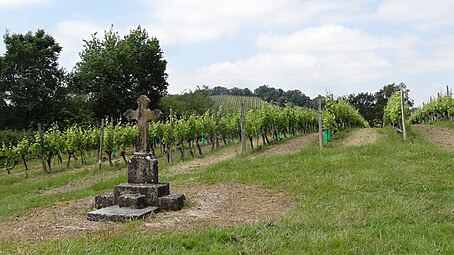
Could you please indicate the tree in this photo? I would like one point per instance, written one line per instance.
(298, 98)
(247, 92)
(268, 94)
(218, 90)
(192, 102)
(114, 72)
(236, 91)
(366, 105)
(31, 81)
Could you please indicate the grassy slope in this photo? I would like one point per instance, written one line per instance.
(448, 124)
(391, 197)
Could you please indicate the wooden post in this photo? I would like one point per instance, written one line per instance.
(101, 143)
(320, 123)
(243, 135)
(41, 150)
(404, 130)
(169, 146)
(216, 142)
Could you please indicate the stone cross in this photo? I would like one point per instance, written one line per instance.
(143, 115)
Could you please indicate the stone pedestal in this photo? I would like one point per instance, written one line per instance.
(142, 195)
(150, 191)
(143, 168)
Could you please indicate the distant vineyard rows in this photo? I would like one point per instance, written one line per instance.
(234, 102)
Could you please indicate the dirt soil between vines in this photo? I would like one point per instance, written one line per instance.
(440, 135)
(364, 136)
(291, 146)
(215, 205)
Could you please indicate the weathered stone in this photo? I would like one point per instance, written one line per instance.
(143, 168)
(172, 202)
(142, 115)
(135, 201)
(116, 213)
(150, 191)
(143, 193)
(104, 200)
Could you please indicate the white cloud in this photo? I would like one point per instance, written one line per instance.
(435, 54)
(19, 3)
(325, 39)
(421, 14)
(70, 35)
(312, 59)
(180, 21)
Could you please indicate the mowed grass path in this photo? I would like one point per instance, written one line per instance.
(388, 198)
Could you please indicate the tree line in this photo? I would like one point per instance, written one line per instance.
(111, 74)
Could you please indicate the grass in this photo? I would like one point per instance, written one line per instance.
(33, 191)
(388, 198)
(444, 123)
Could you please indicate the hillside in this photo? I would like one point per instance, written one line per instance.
(229, 102)
(366, 192)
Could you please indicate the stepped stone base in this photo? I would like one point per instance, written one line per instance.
(172, 202)
(104, 200)
(116, 213)
(132, 201)
(135, 201)
(151, 191)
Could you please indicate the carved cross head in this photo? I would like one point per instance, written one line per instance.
(145, 113)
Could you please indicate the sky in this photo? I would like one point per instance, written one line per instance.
(317, 47)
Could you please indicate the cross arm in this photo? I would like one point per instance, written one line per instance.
(130, 115)
(154, 115)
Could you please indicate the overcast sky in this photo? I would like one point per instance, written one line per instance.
(318, 46)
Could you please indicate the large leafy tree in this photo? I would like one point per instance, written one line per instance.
(31, 82)
(372, 106)
(365, 103)
(114, 72)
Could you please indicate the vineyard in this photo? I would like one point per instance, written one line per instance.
(233, 102)
(442, 108)
(184, 135)
(354, 195)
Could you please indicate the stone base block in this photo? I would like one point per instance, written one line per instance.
(143, 168)
(104, 200)
(115, 213)
(135, 201)
(172, 202)
(150, 191)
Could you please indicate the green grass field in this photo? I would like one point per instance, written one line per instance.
(392, 197)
